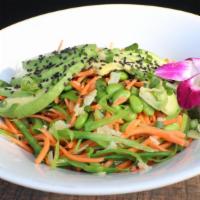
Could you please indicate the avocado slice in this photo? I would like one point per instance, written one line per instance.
(25, 103)
(171, 107)
(19, 107)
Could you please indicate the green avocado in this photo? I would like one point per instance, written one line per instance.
(19, 107)
(171, 107)
(24, 101)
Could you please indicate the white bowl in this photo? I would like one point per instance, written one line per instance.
(169, 33)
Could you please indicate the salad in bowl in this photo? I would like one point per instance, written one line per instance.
(102, 110)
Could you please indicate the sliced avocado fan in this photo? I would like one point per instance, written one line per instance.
(47, 75)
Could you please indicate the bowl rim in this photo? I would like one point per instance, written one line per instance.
(163, 182)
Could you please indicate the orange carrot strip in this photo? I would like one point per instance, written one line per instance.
(170, 121)
(139, 84)
(72, 144)
(179, 120)
(89, 86)
(151, 141)
(4, 127)
(88, 72)
(131, 126)
(41, 156)
(80, 158)
(96, 107)
(108, 163)
(116, 126)
(167, 135)
(119, 101)
(124, 165)
(60, 115)
(41, 117)
(48, 135)
(73, 120)
(166, 145)
(11, 126)
(2, 98)
(76, 85)
(130, 84)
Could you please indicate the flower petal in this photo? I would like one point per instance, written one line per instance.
(188, 92)
(179, 71)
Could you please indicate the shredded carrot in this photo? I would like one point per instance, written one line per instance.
(139, 84)
(2, 98)
(134, 169)
(169, 121)
(131, 126)
(180, 120)
(108, 163)
(70, 106)
(133, 149)
(79, 101)
(41, 117)
(41, 156)
(39, 136)
(21, 144)
(153, 143)
(76, 85)
(72, 144)
(80, 158)
(59, 114)
(130, 84)
(4, 127)
(119, 101)
(73, 120)
(48, 135)
(96, 107)
(86, 73)
(146, 119)
(170, 136)
(116, 126)
(11, 126)
(166, 145)
(89, 86)
(124, 165)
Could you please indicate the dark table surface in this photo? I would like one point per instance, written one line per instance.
(12, 11)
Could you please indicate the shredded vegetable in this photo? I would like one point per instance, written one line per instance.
(100, 110)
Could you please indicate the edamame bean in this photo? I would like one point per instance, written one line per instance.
(148, 110)
(193, 123)
(130, 116)
(172, 127)
(121, 93)
(123, 76)
(136, 104)
(81, 120)
(113, 87)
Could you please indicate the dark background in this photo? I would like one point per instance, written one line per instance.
(12, 11)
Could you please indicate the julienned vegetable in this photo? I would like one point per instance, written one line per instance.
(98, 110)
